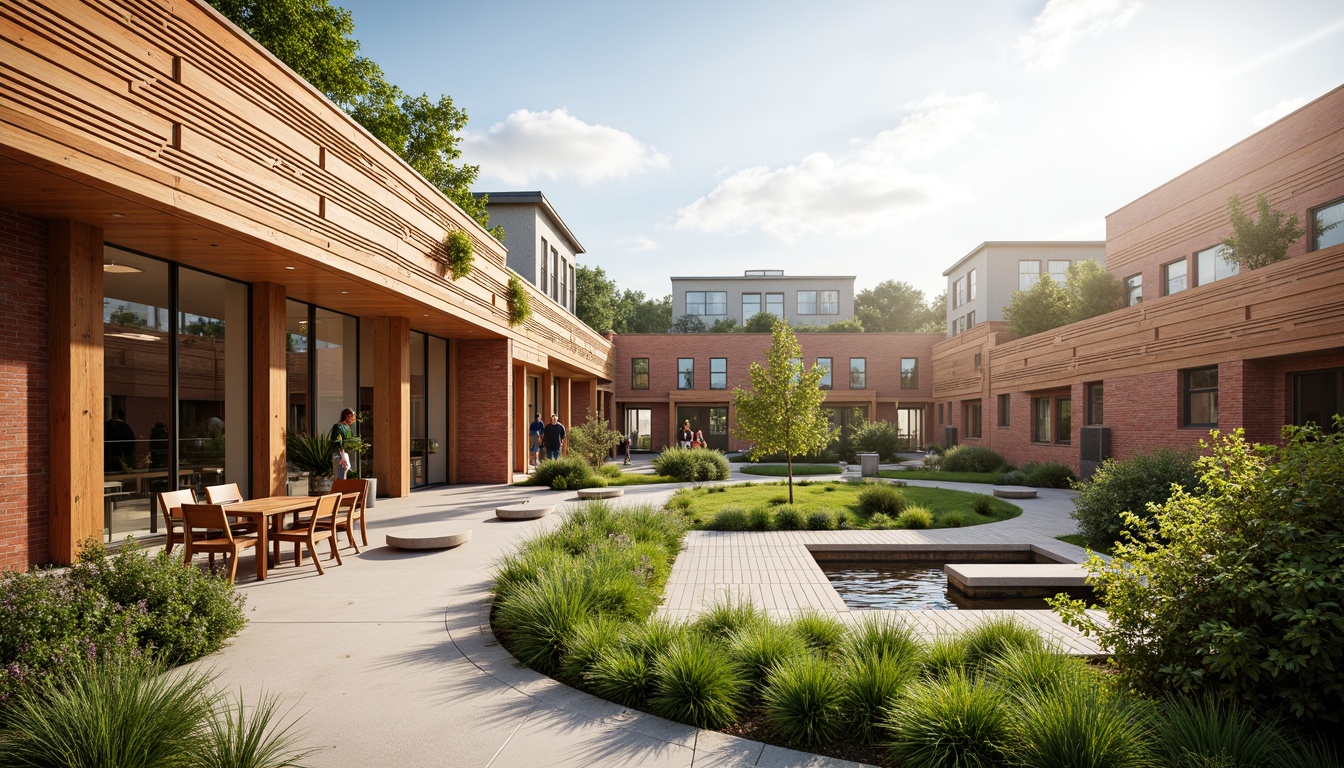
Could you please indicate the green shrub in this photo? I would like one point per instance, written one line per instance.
(567, 473)
(789, 518)
(821, 520)
(759, 518)
(730, 519)
(820, 632)
(728, 616)
(757, 647)
(611, 471)
(778, 500)
(954, 520)
(870, 685)
(842, 520)
(915, 517)
(1131, 485)
(943, 656)
(880, 437)
(1037, 671)
(1236, 592)
(801, 701)
(950, 723)
(983, 505)
(881, 499)
(1012, 477)
(622, 675)
(1080, 726)
(994, 637)
(539, 617)
(240, 736)
(1049, 475)
(692, 465)
(587, 642)
(881, 522)
(878, 635)
(694, 682)
(592, 441)
(972, 458)
(1192, 732)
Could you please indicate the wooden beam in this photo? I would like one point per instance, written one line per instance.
(268, 390)
(76, 385)
(392, 405)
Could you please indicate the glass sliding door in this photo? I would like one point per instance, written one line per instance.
(419, 413)
(297, 415)
(639, 428)
(212, 366)
(335, 359)
(436, 410)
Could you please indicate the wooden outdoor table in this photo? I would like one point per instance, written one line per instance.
(262, 511)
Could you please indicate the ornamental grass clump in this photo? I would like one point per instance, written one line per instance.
(881, 499)
(1081, 726)
(821, 520)
(955, 722)
(758, 648)
(539, 617)
(877, 635)
(917, 517)
(1049, 475)
(588, 641)
(1197, 731)
(822, 633)
(870, 685)
(994, 637)
(1037, 671)
(801, 701)
(567, 473)
(789, 518)
(730, 519)
(728, 615)
(695, 683)
(692, 465)
(972, 458)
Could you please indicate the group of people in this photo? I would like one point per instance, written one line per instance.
(548, 437)
(690, 438)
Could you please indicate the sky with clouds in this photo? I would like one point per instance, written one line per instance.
(884, 139)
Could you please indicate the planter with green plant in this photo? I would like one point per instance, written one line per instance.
(311, 454)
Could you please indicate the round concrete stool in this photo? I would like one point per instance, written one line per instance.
(600, 493)
(523, 511)
(427, 537)
(1014, 492)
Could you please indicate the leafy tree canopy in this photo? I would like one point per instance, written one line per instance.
(1042, 307)
(316, 40)
(1092, 290)
(782, 412)
(726, 325)
(688, 324)
(896, 307)
(636, 313)
(761, 322)
(1257, 243)
(595, 298)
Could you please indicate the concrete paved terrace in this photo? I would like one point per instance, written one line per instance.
(391, 661)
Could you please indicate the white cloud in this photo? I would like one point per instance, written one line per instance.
(528, 146)
(1066, 23)
(1267, 116)
(852, 193)
(637, 244)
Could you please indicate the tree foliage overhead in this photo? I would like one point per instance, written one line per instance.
(1257, 243)
(1092, 290)
(782, 412)
(595, 298)
(636, 313)
(1043, 306)
(316, 40)
(897, 307)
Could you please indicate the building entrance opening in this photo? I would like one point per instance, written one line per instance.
(639, 428)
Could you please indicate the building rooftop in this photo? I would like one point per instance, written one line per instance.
(533, 198)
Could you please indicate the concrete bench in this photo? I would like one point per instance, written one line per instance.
(1014, 579)
(524, 511)
(431, 536)
(600, 493)
(1014, 492)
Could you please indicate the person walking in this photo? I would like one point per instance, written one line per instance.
(685, 435)
(340, 433)
(553, 437)
(623, 447)
(534, 431)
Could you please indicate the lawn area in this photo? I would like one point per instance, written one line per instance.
(949, 508)
(949, 477)
(782, 470)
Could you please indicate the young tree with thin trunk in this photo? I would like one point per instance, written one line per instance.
(783, 409)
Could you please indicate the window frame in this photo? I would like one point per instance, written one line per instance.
(806, 306)
(972, 419)
(1028, 278)
(971, 291)
(685, 373)
(828, 302)
(1188, 392)
(1214, 258)
(1041, 420)
(826, 378)
(635, 373)
(719, 376)
(1094, 394)
(1134, 290)
(1063, 274)
(1062, 419)
(910, 378)
(859, 373)
(700, 303)
(770, 299)
(716, 300)
(748, 315)
(1005, 406)
(958, 292)
(1338, 226)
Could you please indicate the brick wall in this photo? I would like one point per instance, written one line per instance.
(24, 504)
(484, 396)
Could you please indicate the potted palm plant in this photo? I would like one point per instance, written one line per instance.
(311, 454)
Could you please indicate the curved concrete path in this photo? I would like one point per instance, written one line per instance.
(391, 661)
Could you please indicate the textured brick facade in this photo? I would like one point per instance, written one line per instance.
(485, 393)
(24, 477)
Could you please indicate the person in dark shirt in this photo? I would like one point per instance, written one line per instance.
(553, 438)
(340, 433)
(534, 432)
(118, 445)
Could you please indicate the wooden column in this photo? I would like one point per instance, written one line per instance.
(392, 405)
(268, 390)
(75, 386)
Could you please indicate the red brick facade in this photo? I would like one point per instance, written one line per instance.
(485, 394)
(24, 474)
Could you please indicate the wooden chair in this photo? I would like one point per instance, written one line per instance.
(224, 495)
(311, 533)
(357, 513)
(170, 504)
(206, 529)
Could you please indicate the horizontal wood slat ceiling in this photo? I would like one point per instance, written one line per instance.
(182, 139)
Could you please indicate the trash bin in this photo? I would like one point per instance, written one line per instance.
(868, 464)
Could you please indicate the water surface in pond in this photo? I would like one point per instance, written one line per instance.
(909, 585)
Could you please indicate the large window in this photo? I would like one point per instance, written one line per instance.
(1134, 290)
(858, 373)
(1201, 397)
(685, 373)
(971, 290)
(1211, 266)
(706, 302)
(751, 305)
(1063, 421)
(1173, 277)
(718, 373)
(553, 291)
(1328, 226)
(807, 302)
(971, 418)
(774, 304)
(958, 292)
(824, 363)
(1317, 397)
(909, 373)
(1095, 413)
(1059, 270)
(1040, 419)
(561, 295)
(1005, 410)
(1028, 273)
(639, 373)
(718, 421)
(545, 261)
(828, 302)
